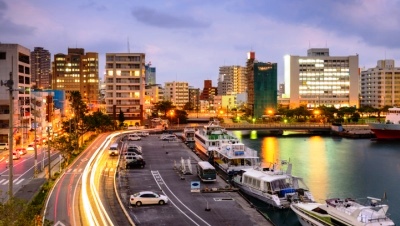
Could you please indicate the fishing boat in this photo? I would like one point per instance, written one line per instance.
(347, 211)
(273, 184)
(390, 129)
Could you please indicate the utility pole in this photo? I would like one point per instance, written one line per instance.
(48, 149)
(35, 127)
(9, 84)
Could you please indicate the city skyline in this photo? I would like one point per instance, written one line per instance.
(189, 41)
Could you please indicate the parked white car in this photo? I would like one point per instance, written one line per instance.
(134, 137)
(168, 137)
(147, 198)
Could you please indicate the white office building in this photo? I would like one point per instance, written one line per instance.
(320, 79)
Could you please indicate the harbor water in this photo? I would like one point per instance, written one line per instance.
(333, 167)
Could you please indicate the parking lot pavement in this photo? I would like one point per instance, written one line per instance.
(162, 174)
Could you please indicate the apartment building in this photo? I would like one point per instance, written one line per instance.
(232, 80)
(320, 79)
(153, 94)
(380, 85)
(41, 68)
(125, 86)
(177, 93)
(77, 71)
(15, 60)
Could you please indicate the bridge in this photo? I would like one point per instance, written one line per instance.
(281, 126)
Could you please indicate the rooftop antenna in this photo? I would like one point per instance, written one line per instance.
(129, 48)
(326, 44)
(309, 44)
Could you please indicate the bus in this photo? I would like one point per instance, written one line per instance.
(206, 171)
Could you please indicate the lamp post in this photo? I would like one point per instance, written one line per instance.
(48, 150)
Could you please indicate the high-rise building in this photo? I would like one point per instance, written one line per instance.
(319, 79)
(232, 80)
(208, 91)
(125, 86)
(15, 60)
(380, 85)
(194, 98)
(150, 75)
(41, 68)
(77, 71)
(251, 58)
(177, 93)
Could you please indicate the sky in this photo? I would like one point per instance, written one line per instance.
(188, 40)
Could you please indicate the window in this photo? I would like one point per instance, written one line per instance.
(3, 55)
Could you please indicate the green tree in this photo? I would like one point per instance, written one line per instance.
(121, 118)
(164, 107)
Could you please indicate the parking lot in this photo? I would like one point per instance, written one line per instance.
(163, 174)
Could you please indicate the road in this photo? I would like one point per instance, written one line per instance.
(23, 169)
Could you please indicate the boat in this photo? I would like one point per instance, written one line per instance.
(273, 184)
(347, 211)
(188, 136)
(211, 137)
(390, 129)
(234, 157)
(224, 150)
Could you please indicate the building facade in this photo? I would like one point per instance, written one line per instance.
(320, 79)
(15, 65)
(194, 98)
(150, 75)
(41, 68)
(177, 93)
(77, 71)
(265, 88)
(232, 80)
(125, 86)
(380, 86)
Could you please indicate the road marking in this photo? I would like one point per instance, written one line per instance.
(160, 181)
(1, 181)
(19, 181)
(59, 223)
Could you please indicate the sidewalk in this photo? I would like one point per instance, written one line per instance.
(28, 191)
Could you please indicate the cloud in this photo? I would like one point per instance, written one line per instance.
(94, 5)
(163, 20)
(375, 22)
(8, 27)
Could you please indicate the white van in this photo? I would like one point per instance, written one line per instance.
(4, 146)
(113, 150)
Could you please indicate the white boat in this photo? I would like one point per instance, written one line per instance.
(188, 134)
(343, 212)
(390, 129)
(273, 185)
(233, 157)
(211, 137)
(224, 150)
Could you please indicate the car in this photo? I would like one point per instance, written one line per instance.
(31, 147)
(4, 146)
(132, 157)
(143, 133)
(134, 137)
(156, 120)
(139, 163)
(21, 151)
(134, 150)
(168, 137)
(16, 155)
(147, 198)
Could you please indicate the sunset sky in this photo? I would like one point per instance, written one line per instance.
(189, 40)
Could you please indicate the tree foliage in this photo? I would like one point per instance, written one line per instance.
(164, 107)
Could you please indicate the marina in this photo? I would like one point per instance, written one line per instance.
(333, 167)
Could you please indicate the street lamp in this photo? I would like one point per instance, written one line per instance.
(171, 113)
